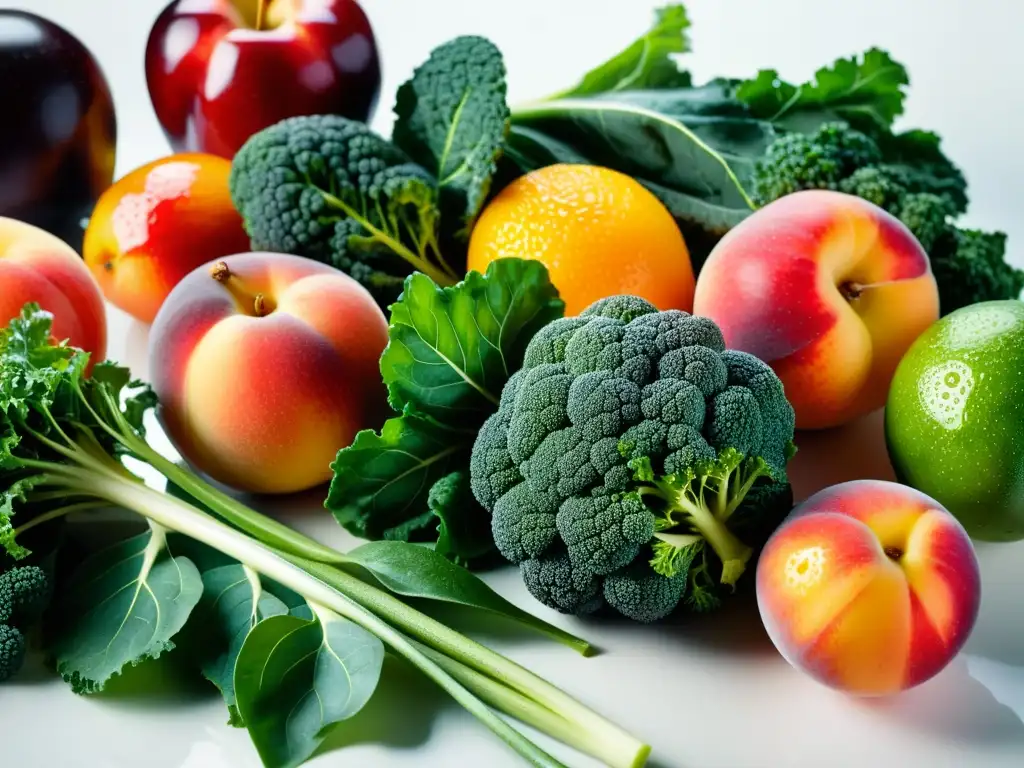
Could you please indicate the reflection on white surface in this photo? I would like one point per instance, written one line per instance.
(1005, 682)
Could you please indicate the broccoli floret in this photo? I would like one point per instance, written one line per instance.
(328, 188)
(970, 267)
(927, 216)
(12, 652)
(797, 161)
(623, 452)
(24, 593)
(908, 176)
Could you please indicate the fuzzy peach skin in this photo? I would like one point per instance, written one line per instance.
(157, 224)
(265, 366)
(36, 266)
(869, 586)
(828, 289)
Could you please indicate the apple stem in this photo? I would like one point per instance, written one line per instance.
(261, 13)
(260, 305)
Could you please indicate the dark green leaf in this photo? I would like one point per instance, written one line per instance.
(415, 571)
(867, 92)
(652, 146)
(451, 350)
(464, 527)
(381, 482)
(234, 602)
(123, 606)
(646, 63)
(452, 118)
(295, 679)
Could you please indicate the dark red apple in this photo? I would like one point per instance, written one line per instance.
(221, 70)
(58, 130)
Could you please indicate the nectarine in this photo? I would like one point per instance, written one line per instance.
(266, 365)
(869, 586)
(828, 289)
(157, 224)
(36, 266)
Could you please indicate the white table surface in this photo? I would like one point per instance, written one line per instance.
(711, 694)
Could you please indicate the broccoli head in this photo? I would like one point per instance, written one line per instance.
(633, 462)
(24, 593)
(907, 175)
(970, 267)
(328, 188)
(797, 161)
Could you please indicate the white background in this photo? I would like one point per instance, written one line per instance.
(713, 694)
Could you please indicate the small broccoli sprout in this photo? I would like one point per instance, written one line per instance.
(635, 464)
(24, 593)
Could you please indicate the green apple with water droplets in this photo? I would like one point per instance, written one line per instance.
(954, 420)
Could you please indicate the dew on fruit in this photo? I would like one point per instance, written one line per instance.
(943, 391)
(978, 325)
(804, 568)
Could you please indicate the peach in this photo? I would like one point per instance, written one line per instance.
(266, 365)
(869, 586)
(157, 224)
(36, 266)
(829, 290)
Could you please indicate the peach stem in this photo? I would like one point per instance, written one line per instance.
(260, 305)
(261, 13)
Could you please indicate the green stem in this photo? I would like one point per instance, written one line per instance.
(741, 494)
(266, 529)
(733, 553)
(526, 710)
(53, 514)
(179, 516)
(627, 749)
(417, 262)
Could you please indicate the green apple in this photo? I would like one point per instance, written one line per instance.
(954, 421)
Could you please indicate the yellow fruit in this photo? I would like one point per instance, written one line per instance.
(599, 232)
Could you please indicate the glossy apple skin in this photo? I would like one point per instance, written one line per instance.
(775, 286)
(157, 224)
(264, 403)
(870, 587)
(58, 132)
(214, 81)
(36, 266)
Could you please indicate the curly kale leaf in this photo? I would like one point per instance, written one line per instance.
(865, 92)
(328, 188)
(646, 62)
(450, 354)
(452, 118)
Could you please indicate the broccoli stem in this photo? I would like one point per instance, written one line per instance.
(418, 261)
(733, 553)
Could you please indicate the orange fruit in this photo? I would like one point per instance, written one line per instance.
(157, 224)
(599, 233)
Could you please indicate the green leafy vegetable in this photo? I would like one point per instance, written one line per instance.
(234, 601)
(330, 189)
(296, 679)
(715, 152)
(646, 63)
(450, 352)
(65, 435)
(863, 91)
(452, 118)
(125, 605)
(414, 571)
